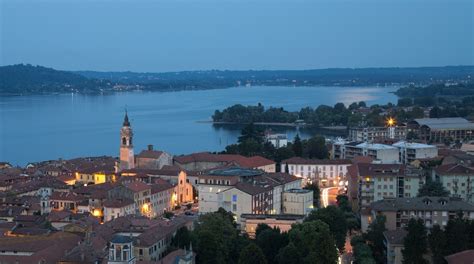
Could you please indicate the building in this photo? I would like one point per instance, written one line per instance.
(153, 159)
(205, 161)
(137, 191)
(326, 172)
(439, 130)
(163, 197)
(393, 242)
(432, 210)
(457, 179)
(373, 134)
(244, 191)
(118, 207)
(379, 152)
(249, 222)
(127, 158)
(66, 201)
(297, 201)
(409, 152)
(277, 140)
(380, 181)
(121, 250)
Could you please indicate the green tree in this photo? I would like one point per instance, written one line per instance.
(315, 148)
(437, 242)
(335, 219)
(260, 228)
(433, 188)
(376, 239)
(215, 238)
(343, 203)
(250, 131)
(298, 146)
(314, 242)
(316, 193)
(252, 254)
(403, 102)
(271, 241)
(289, 255)
(457, 235)
(182, 239)
(414, 244)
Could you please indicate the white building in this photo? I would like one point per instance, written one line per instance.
(370, 134)
(116, 208)
(298, 201)
(410, 152)
(326, 172)
(277, 140)
(457, 179)
(379, 152)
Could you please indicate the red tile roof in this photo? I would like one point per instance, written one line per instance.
(150, 154)
(463, 257)
(137, 186)
(247, 162)
(454, 169)
(118, 203)
(66, 196)
(160, 185)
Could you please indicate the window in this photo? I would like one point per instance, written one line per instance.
(234, 207)
(234, 198)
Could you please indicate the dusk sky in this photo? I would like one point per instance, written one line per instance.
(175, 35)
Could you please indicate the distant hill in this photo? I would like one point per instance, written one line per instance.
(338, 76)
(28, 79)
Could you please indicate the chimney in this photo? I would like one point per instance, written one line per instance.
(150, 147)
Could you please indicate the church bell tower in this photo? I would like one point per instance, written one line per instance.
(127, 158)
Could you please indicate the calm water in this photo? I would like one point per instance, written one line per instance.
(35, 128)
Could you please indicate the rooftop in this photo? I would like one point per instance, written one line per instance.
(246, 162)
(445, 123)
(422, 203)
(299, 160)
(412, 145)
(375, 146)
(298, 191)
(235, 171)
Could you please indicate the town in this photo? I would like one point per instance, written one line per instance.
(378, 198)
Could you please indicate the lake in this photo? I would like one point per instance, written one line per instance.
(43, 127)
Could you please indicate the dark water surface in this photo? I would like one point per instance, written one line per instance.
(36, 128)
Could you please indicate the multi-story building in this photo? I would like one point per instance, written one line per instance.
(326, 172)
(137, 191)
(457, 179)
(381, 181)
(118, 207)
(205, 161)
(432, 210)
(163, 197)
(244, 191)
(297, 201)
(65, 201)
(379, 152)
(409, 152)
(441, 129)
(371, 134)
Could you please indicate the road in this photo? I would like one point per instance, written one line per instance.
(328, 196)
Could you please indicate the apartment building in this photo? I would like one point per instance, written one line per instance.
(371, 134)
(379, 181)
(457, 179)
(432, 210)
(326, 172)
(409, 152)
(379, 152)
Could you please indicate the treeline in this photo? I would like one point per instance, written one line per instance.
(25, 79)
(341, 76)
(437, 90)
(319, 239)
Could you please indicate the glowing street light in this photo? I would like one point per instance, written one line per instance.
(391, 122)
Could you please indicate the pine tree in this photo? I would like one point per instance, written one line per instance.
(298, 146)
(415, 244)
